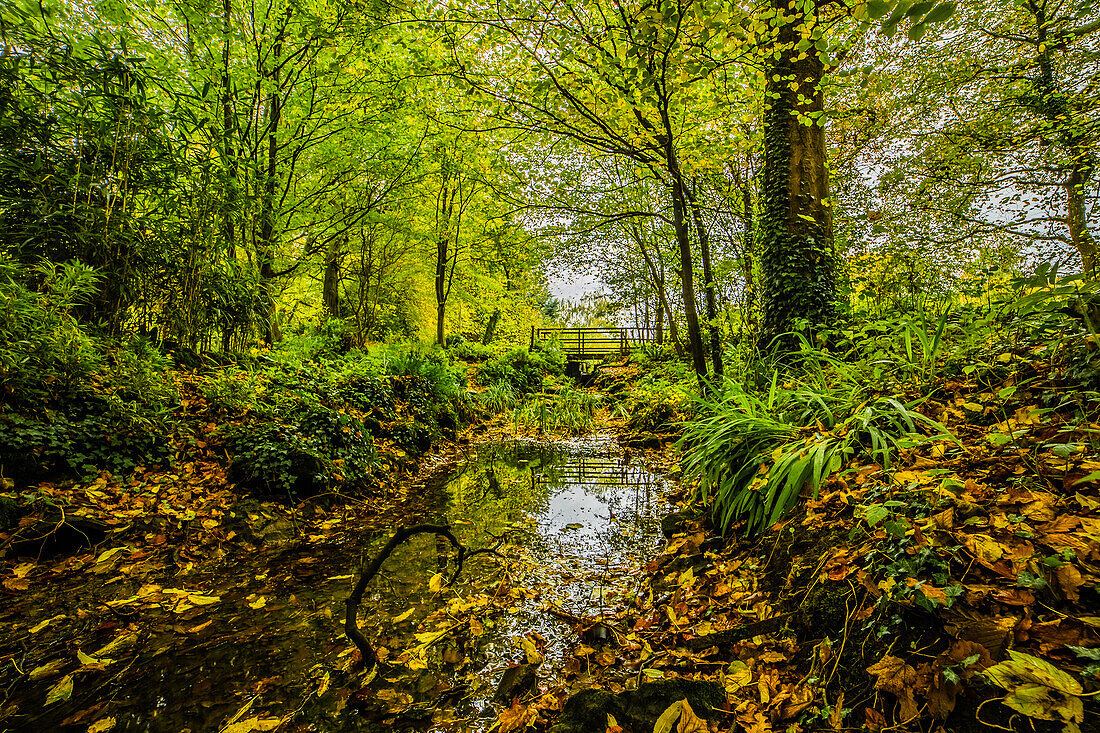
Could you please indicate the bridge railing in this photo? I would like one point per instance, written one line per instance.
(594, 343)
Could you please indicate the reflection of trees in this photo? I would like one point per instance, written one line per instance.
(494, 490)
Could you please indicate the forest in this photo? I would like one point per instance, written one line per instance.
(585, 366)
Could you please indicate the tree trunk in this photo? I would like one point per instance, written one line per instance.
(265, 246)
(709, 285)
(796, 257)
(330, 287)
(658, 275)
(1050, 102)
(440, 287)
(228, 128)
(491, 327)
(1078, 227)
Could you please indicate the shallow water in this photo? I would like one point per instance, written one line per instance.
(581, 518)
(578, 521)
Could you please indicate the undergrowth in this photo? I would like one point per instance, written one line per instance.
(866, 389)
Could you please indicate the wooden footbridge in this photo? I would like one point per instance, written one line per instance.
(592, 344)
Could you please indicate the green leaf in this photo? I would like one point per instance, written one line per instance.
(940, 13)
(919, 9)
(875, 514)
(876, 9)
(60, 692)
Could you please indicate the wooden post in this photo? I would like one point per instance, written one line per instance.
(622, 343)
(532, 338)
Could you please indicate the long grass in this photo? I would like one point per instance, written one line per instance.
(571, 411)
(754, 455)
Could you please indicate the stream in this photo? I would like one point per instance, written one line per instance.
(581, 518)
(261, 642)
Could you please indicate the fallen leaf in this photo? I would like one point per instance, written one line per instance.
(108, 554)
(46, 670)
(60, 692)
(252, 724)
(43, 624)
(1069, 579)
(895, 676)
(689, 721)
(102, 725)
(737, 675)
(669, 718)
(517, 717)
(201, 600)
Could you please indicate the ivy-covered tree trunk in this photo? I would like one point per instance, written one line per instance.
(796, 226)
(1052, 102)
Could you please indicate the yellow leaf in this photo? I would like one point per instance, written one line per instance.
(984, 548)
(22, 570)
(518, 717)
(737, 676)
(47, 670)
(108, 554)
(689, 721)
(436, 583)
(43, 624)
(258, 603)
(102, 725)
(687, 578)
(1023, 669)
(201, 600)
(87, 659)
(1037, 701)
(252, 724)
(60, 692)
(403, 616)
(668, 718)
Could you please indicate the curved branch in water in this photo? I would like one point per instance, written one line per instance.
(351, 622)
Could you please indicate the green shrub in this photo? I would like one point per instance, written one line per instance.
(93, 433)
(44, 351)
(522, 369)
(753, 456)
(304, 451)
(232, 391)
(470, 351)
(498, 397)
(571, 411)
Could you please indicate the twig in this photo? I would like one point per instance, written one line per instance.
(351, 623)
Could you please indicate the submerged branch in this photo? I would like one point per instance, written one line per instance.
(351, 623)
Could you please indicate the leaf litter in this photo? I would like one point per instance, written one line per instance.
(958, 586)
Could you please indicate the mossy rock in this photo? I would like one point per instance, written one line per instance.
(9, 513)
(637, 710)
(678, 521)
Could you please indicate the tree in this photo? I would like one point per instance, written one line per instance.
(995, 131)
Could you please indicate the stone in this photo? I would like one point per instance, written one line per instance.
(637, 711)
(677, 522)
(516, 682)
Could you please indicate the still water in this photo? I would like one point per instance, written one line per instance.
(575, 520)
(580, 520)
